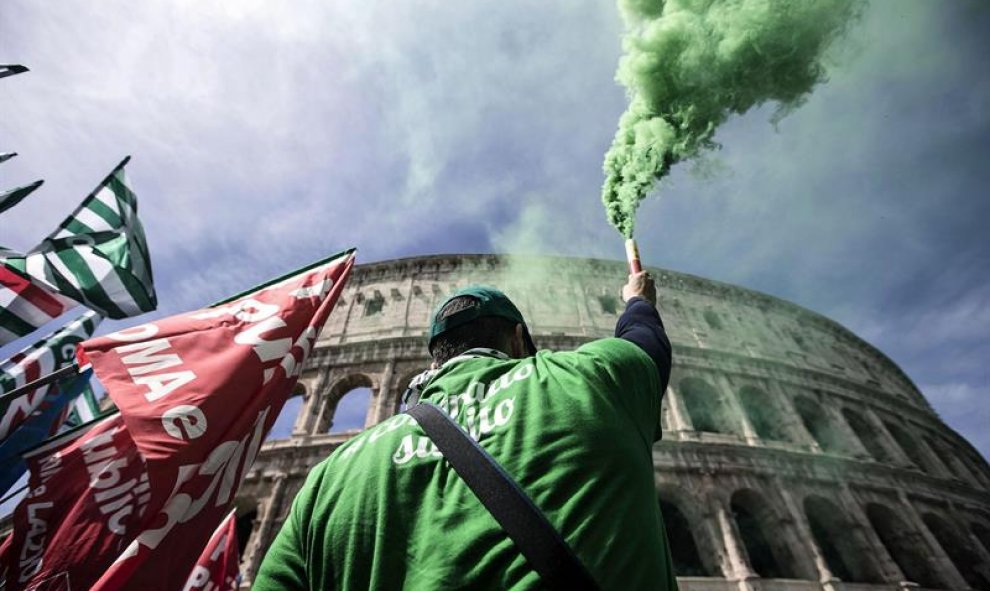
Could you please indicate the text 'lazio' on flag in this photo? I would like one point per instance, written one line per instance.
(99, 255)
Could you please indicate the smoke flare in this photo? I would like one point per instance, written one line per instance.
(689, 64)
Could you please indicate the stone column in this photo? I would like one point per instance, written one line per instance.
(850, 440)
(732, 402)
(381, 407)
(320, 403)
(825, 575)
(678, 414)
(792, 420)
(739, 569)
(861, 523)
(885, 439)
(946, 569)
(267, 513)
(307, 413)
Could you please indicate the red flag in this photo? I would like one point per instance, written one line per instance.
(198, 392)
(217, 568)
(88, 490)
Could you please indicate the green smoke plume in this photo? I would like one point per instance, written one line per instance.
(689, 64)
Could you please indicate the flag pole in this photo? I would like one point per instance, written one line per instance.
(42, 381)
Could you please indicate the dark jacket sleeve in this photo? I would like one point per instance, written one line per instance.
(640, 324)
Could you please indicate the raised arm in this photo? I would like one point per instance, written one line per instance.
(640, 323)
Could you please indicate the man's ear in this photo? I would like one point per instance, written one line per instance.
(434, 365)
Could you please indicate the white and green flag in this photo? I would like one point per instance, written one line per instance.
(98, 256)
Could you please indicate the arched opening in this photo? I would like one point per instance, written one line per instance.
(714, 322)
(867, 435)
(706, 407)
(982, 534)
(818, 424)
(962, 556)
(683, 549)
(286, 419)
(909, 445)
(762, 413)
(351, 410)
(831, 530)
(944, 453)
(755, 521)
(244, 525)
(905, 546)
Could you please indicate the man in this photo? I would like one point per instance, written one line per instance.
(574, 429)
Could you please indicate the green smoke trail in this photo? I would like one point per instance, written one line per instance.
(689, 64)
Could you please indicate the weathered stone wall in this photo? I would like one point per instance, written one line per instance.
(795, 455)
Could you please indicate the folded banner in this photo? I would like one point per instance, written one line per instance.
(218, 567)
(98, 256)
(25, 305)
(198, 392)
(88, 491)
(14, 196)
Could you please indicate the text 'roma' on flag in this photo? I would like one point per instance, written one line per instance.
(87, 494)
(218, 567)
(99, 255)
(198, 392)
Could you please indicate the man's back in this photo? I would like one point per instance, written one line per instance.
(574, 429)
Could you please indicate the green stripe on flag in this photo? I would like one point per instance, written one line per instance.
(93, 292)
(108, 215)
(15, 324)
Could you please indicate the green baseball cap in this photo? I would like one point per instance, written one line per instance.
(491, 302)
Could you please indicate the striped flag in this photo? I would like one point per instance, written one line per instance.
(98, 256)
(40, 359)
(14, 196)
(25, 306)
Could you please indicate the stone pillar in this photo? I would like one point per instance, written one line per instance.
(793, 424)
(381, 402)
(807, 540)
(861, 523)
(850, 439)
(736, 407)
(678, 414)
(267, 513)
(307, 413)
(885, 439)
(320, 404)
(739, 569)
(946, 569)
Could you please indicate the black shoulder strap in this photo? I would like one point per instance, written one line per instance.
(537, 540)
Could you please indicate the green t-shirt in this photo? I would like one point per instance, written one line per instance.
(575, 429)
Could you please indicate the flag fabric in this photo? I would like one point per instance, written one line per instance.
(14, 196)
(88, 492)
(198, 392)
(36, 428)
(5, 156)
(25, 305)
(218, 567)
(51, 353)
(98, 256)
(83, 409)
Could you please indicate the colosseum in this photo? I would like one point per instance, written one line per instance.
(795, 455)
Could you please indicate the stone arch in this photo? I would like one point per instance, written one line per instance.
(681, 539)
(288, 416)
(768, 555)
(962, 556)
(763, 414)
(905, 546)
(706, 406)
(819, 424)
(867, 435)
(831, 528)
(943, 451)
(337, 392)
(909, 445)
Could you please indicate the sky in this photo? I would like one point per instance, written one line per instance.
(267, 135)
